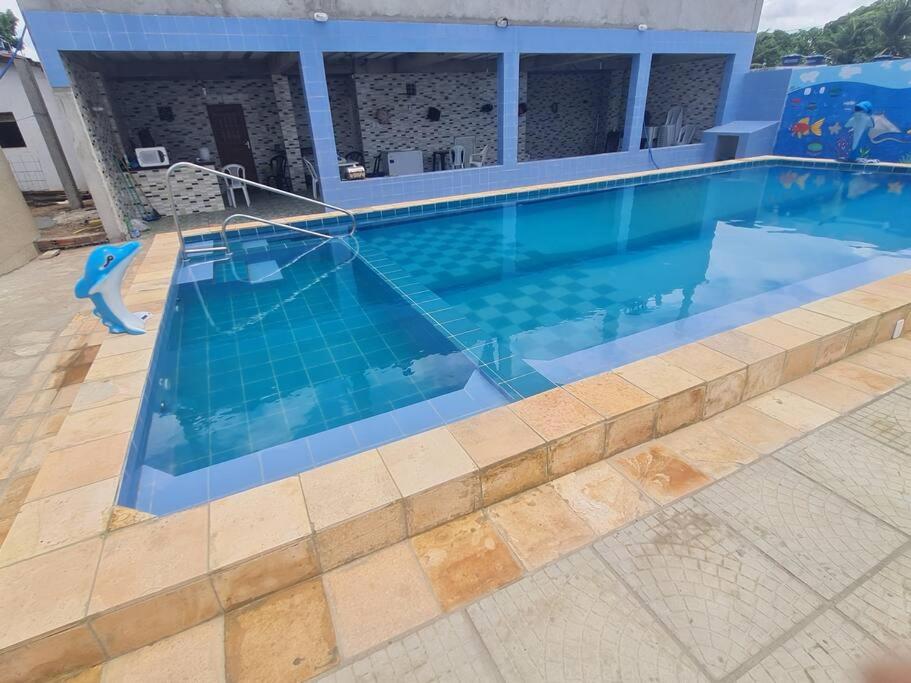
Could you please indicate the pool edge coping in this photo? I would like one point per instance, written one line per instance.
(539, 460)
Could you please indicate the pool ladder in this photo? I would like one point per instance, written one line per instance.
(225, 247)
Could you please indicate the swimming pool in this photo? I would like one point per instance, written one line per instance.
(298, 352)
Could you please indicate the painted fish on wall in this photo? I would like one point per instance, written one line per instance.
(804, 127)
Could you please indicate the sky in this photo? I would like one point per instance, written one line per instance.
(790, 15)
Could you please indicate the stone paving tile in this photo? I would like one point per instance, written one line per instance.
(574, 621)
(869, 474)
(881, 605)
(816, 535)
(721, 597)
(887, 420)
(446, 650)
(286, 636)
(197, 655)
(378, 598)
(829, 648)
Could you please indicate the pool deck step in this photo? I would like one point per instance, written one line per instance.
(82, 581)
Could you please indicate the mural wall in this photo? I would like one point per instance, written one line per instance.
(847, 112)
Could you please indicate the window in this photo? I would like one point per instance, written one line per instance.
(9, 131)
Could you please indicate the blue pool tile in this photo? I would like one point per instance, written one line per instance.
(285, 459)
(332, 444)
(374, 431)
(233, 476)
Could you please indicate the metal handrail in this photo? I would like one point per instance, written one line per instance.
(251, 183)
(224, 225)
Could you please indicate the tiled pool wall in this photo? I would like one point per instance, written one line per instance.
(383, 215)
(56, 32)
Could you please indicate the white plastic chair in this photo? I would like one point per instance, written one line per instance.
(673, 124)
(457, 157)
(686, 134)
(314, 182)
(237, 171)
(477, 159)
(466, 141)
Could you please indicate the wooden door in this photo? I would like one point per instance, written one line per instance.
(231, 138)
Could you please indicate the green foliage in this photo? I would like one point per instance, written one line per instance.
(883, 27)
(8, 23)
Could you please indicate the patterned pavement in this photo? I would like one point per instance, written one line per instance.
(795, 568)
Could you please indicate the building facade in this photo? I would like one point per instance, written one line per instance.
(366, 80)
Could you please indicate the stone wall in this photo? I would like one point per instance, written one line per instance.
(695, 84)
(139, 102)
(458, 96)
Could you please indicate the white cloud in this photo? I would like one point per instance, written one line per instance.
(809, 77)
(886, 65)
(849, 71)
(906, 66)
(790, 15)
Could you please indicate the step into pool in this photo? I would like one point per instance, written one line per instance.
(297, 352)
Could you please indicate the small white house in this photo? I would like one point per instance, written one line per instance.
(20, 136)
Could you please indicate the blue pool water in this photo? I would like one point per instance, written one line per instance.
(296, 353)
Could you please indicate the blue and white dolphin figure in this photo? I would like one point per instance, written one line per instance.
(101, 282)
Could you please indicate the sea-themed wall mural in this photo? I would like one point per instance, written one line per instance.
(851, 111)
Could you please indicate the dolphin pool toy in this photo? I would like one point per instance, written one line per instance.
(101, 282)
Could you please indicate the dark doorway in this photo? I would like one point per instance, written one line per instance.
(231, 138)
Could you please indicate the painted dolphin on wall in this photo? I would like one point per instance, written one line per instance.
(860, 122)
(104, 271)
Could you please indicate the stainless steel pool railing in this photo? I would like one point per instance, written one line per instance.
(224, 234)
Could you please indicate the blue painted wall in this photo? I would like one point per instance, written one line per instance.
(819, 107)
(53, 32)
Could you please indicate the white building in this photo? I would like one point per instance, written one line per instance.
(20, 136)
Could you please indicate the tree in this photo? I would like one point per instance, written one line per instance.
(8, 24)
(843, 45)
(894, 27)
(883, 26)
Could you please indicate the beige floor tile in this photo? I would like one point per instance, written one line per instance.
(754, 429)
(660, 472)
(494, 436)
(811, 321)
(764, 375)
(896, 347)
(107, 391)
(379, 597)
(143, 559)
(464, 559)
(658, 377)
(65, 396)
(859, 377)
(602, 497)
(13, 497)
(126, 343)
(122, 364)
(426, 460)
(58, 520)
(256, 520)
(347, 488)
(871, 300)
(540, 526)
(286, 636)
(555, 414)
(680, 410)
(97, 423)
(19, 406)
(9, 456)
(836, 308)
(793, 410)
(827, 392)
(778, 333)
(703, 362)
(742, 347)
(610, 394)
(71, 468)
(710, 450)
(631, 429)
(197, 654)
(886, 363)
(46, 592)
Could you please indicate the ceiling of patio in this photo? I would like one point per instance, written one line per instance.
(188, 65)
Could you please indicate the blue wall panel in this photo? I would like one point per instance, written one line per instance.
(60, 31)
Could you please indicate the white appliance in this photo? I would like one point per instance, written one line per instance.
(404, 162)
(152, 156)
